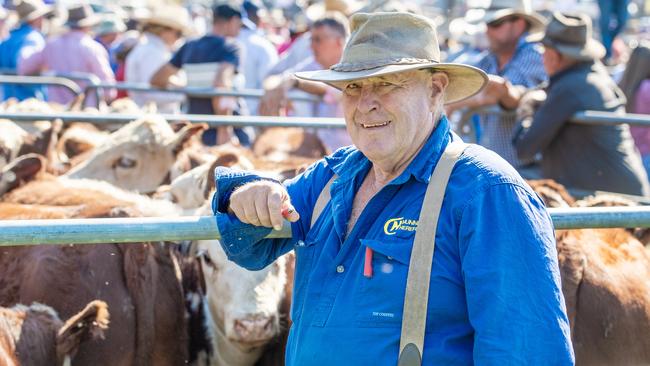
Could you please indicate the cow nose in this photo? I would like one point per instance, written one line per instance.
(254, 328)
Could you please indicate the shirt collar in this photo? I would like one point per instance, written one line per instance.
(349, 162)
(578, 66)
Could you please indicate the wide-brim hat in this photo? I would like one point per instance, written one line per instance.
(171, 16)
(388, 43)
(345, 7)
(571, 35)
(81, 16)
(29, 10)
(500, 9)
(110, 24)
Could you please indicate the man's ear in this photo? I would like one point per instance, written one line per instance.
(439, 83)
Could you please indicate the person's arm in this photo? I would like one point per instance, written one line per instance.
(100, 66)
(551, 116)
(32, 64)
(497, 91)
(236, 204)
(165, 75)
(512, 280)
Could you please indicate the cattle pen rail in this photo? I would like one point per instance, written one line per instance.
(584, 117)
(128, 230)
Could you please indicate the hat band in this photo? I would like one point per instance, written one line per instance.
(360, 66)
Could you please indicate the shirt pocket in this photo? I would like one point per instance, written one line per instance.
(380, 297)
(304, 263)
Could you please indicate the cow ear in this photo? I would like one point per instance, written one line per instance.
(184, 135)
(21, 169)
(90, 323)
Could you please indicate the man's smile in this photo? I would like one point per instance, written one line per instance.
(375, 124)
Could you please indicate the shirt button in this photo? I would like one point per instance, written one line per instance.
(340, 269)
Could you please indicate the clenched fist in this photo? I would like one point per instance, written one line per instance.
(262, 203)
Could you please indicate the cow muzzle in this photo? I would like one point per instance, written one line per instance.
(254, 330)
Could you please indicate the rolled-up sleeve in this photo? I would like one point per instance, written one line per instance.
(509, 263)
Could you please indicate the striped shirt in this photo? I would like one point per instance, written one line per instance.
(525, 68)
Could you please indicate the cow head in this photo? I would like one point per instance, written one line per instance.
(243, 304)
(12, 138)
(138, 156)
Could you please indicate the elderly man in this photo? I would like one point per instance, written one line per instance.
(580, 156)
(493, 287)
(328, 35)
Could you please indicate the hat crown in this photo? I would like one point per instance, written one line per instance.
(523, 6)
(80, 12)
(569, 29)
(26, 7)
(381, 39)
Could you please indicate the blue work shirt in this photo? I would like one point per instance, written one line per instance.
(19, 40)
(495, 293)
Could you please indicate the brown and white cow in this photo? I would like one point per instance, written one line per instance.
(35, 335)
(248, 310)
(140, 282)
(138, 156)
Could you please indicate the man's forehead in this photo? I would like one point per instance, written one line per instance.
(398, 77)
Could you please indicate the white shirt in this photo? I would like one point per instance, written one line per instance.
(143, 61)
(259, 57)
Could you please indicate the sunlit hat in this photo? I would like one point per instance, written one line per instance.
(497, 10)
(171, 16)
(82, 16)
(29, 10)
(387, 43)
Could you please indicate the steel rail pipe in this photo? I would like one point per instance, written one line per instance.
(209, 119)
(125, 230)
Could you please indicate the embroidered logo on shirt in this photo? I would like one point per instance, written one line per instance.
(399, 223)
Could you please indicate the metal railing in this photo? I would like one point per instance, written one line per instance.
(66, 83)
(209, 119)
(198, 92)
(126, 230)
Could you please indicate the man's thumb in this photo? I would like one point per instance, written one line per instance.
(289, 212)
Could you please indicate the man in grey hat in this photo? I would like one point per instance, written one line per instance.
(23, 41)
(492, 291)
(593, 157)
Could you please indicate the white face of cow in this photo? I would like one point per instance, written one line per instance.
(243, 304)
(12, 138)
(137, 157)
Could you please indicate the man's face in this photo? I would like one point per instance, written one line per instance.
(327, 45)
(504, 34)
(551, 59)
(390, 117)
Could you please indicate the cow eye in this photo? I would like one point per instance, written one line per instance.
(208, 261)
(126, 163)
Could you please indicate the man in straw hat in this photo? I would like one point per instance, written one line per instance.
(511, 57)
(73, 51)
(161, 32)
(24, 40)
(593, 157)
(494, 287)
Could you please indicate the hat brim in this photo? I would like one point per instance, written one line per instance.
(464, 80)
(592, 50)
(40, 12)
(90, 21)
(187, 31)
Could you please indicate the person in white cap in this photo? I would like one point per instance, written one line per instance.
(361, 217)
(161, 32)
(23, 41)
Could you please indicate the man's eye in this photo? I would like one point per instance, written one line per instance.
(385, 83)
(352, 86)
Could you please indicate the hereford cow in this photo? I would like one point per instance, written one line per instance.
(138, 156)
(248, 309)
(35, 336)
(140, 282)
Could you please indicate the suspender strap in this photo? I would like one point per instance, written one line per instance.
(419, 274)
(322, 200)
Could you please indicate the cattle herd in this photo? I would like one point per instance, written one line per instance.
(171, 303)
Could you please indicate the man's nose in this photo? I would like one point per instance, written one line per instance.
(367, 100)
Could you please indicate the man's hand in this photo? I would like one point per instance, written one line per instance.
(262, 203)
(275, 98)
(530, 102)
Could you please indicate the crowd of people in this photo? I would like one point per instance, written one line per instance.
(536, 83)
